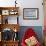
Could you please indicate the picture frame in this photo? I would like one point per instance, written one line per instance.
(30, 13)
(5, 12)
(13, 12)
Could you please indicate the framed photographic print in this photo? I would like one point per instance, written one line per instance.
(5, 12)
(30, 13)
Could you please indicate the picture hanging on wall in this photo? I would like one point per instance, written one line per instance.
(30, 13)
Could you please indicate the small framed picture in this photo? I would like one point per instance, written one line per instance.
(5, 12)
(13, 12)
(30, 13)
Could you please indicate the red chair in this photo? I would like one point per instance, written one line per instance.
(29, 33)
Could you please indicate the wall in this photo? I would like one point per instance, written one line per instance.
(31, 4)
(26, 4)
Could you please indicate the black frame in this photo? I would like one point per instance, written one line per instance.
(31, 18)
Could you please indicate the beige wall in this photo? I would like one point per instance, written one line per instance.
(31, 4)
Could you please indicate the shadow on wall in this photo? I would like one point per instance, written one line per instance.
(37, 29)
